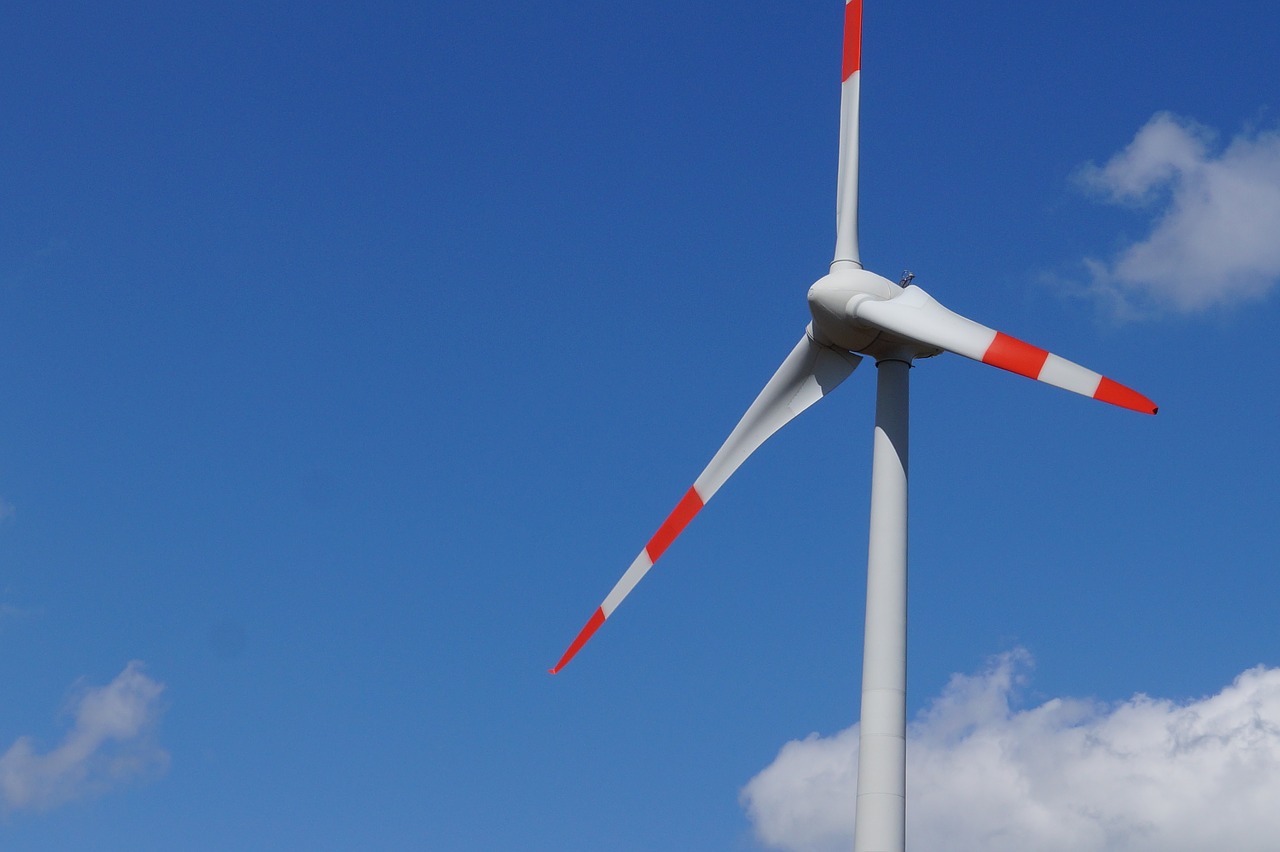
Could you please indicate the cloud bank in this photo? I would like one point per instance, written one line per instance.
(1144, 775)
(1215, 233)
(109, 744)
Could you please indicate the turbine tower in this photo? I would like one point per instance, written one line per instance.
(858, 313)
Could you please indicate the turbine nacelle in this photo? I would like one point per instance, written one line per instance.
(833, 301)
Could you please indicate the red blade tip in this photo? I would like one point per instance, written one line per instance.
(592, 625)
(1117, 394)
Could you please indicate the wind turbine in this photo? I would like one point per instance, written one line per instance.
(857, 312)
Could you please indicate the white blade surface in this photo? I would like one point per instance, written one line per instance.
(809, 373)
(916, 315)
(847, 174)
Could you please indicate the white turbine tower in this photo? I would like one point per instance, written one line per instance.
(856, 312)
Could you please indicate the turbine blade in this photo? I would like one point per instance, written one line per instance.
(847, 173)
(916, 315)
(809, 373)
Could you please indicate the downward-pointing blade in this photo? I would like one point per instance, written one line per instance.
(917, 315)
(809, 373)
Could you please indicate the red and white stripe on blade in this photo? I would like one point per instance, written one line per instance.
(809, 373)
(847, 174)
(917, 315)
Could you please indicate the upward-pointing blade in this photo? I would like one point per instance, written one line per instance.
(916, 315)
(809, 373)
(847, 172)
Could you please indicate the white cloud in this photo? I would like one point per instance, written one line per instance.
(1144, 775)
(1215, 234)
(108, 744)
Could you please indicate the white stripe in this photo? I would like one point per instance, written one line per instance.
(1062, 373)
(628, 582)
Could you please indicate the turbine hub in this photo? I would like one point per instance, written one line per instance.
(833, 301)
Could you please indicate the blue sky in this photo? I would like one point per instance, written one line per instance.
(353, 352)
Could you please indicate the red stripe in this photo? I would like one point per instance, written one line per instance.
(583, 635)
(1010, 353)
(852, 37)
(1117, 394)
(675, 523)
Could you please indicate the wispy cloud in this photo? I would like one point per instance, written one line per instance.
(1144, 775)
(1215, 219)
(109, 744)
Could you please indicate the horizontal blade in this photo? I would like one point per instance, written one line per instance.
(809, 373)
(916, 315)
